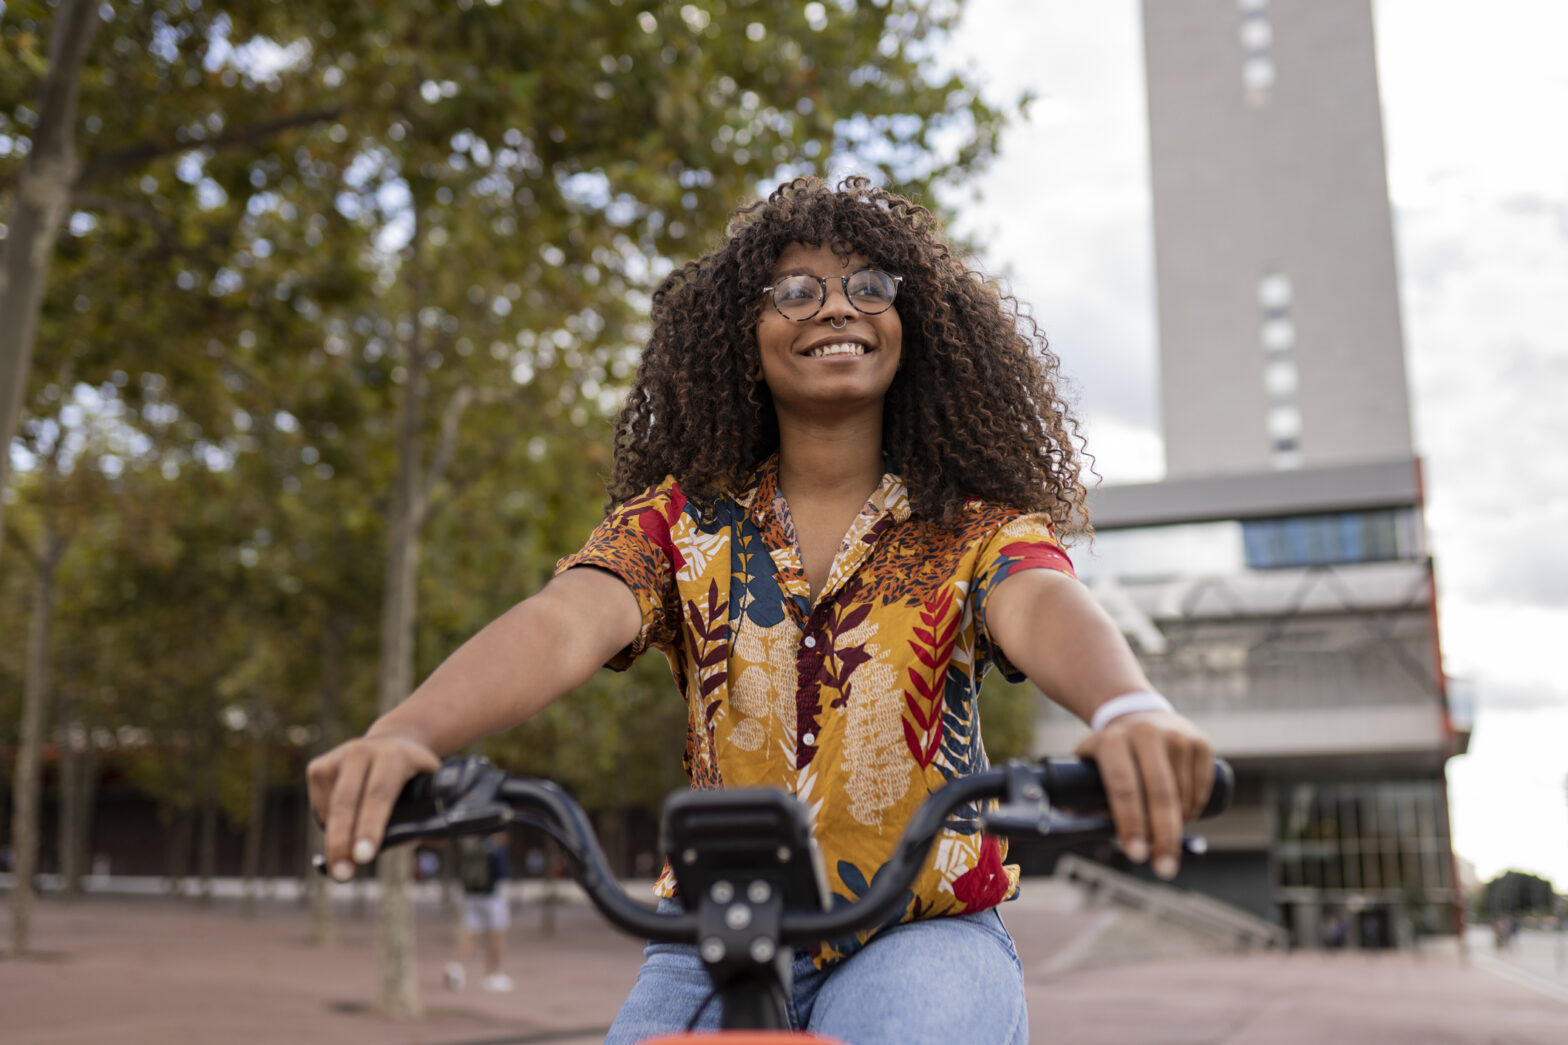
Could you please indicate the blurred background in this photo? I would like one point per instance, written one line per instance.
(314, 318)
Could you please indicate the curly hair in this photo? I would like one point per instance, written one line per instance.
(974, 410)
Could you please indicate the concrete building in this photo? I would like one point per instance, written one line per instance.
(1277, 584)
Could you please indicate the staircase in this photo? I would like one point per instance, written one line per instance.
(1142, 921)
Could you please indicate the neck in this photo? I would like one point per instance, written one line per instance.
(827, 460)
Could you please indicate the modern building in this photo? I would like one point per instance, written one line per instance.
(1277, 584)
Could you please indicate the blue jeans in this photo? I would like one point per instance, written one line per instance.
(939, 981)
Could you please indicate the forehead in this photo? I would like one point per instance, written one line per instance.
(818, 259)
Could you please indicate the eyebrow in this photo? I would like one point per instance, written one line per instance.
(782, 273)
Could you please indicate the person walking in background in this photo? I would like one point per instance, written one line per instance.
(482, 868)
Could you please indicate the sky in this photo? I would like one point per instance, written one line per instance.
(1475, 99)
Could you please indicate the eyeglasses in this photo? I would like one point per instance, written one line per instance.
(802, 296)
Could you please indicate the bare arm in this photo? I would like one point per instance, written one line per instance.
(537, 651)
(1157, 766)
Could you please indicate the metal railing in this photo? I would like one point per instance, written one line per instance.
(1202, 914)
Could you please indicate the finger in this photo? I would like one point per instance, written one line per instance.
(343, 811)
(1203, 770)
(1119, 771)
(1178, 754)
(320, 775)
(1162, 799)
(387, 775)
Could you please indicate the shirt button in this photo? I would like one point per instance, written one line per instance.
(811, 640)
(809, 738)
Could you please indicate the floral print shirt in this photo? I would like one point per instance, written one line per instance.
(861, 703)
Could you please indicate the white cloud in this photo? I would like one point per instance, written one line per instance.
(1507, 797)
(1066, 212)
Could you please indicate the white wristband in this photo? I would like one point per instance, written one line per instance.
(1126, 704)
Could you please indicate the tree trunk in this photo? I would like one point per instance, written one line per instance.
(395, 951)
(207, 851)
(256, 825)
(87, 808)
(67, 856)
(320, 887)
(24, 799)
(181, 821)
(33, 220)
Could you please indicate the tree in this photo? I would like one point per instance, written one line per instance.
(563, 178)
(1516, 893)
(41, 199)
(416, 243)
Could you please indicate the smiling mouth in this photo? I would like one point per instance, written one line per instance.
(847, 348)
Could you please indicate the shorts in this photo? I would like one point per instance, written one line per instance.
(486, 912)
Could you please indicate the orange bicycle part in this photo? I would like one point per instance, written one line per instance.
(744, 1037)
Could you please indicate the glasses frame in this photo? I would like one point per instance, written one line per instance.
(822, 292)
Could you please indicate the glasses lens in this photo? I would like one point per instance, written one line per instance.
(872, 290)
(797, 297)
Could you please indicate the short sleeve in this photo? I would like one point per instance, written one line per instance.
(1027, 542)
(633, 542)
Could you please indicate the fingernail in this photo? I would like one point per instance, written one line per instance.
(1137, 850)
(342, 870)
(1165, 867)
(364, 851)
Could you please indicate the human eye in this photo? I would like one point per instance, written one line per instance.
(795, 289)
(871, 285)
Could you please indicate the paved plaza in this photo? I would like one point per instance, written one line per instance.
(140, 971)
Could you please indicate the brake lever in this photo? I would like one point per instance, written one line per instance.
(1026, 812)
(459, 798)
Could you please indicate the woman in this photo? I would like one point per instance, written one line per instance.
(838, 481)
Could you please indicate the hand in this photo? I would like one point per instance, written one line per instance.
(352, 788)
(1158, 770)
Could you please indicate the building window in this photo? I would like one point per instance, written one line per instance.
(1274, 292)
(1280, 379)
(1384, 841)
(1257, 63)
(1381, 535)
(1257, 73)
(1284, 422)
(1278, 334)
(1256, 34)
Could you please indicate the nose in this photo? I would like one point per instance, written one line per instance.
(837, 306)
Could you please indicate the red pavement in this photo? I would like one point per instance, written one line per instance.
(144, 971)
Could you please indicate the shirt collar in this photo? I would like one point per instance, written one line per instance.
(890, 497)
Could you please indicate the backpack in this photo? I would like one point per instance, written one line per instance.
(476, 866)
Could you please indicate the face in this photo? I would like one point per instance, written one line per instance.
(838, 360)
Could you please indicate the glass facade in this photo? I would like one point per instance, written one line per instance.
(1383, 841)
(1231, 547)
(1333, 538)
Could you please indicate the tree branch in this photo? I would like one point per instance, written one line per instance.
(459, 484)
(116, 163)
(451, 418)
(141, 212)
(455, 487)
(19, 541)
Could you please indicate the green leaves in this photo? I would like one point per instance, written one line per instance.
(281, 201)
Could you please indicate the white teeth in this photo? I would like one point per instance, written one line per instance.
(846, 349)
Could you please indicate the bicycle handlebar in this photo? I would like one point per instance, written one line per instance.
(469, 796)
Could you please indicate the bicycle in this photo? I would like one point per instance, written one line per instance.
(748, 858)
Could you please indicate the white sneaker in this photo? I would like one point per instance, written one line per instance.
(499, 982)
(456, 976)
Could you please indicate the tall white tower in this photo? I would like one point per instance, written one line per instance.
(1280, 338)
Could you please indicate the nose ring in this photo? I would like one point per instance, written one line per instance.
(839, 325)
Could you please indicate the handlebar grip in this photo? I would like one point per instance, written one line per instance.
(1074, 783)
(461, 798)
(417, 794)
